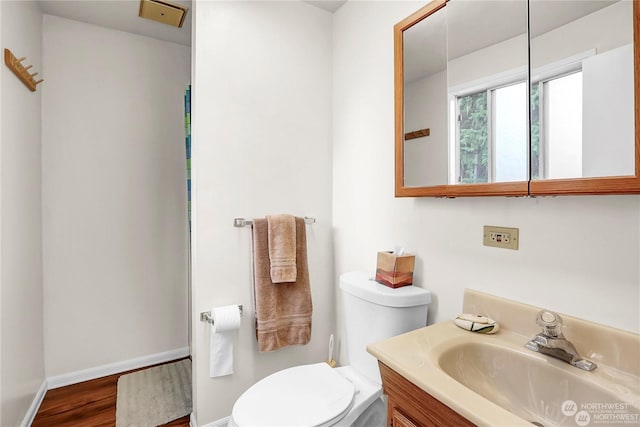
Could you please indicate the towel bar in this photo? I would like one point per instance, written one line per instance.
(241, 222)
(205, 316)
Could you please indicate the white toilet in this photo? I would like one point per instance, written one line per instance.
(317, 395)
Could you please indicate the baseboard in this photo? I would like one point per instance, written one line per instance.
(224, 422)
(35, 405)
(114, 368)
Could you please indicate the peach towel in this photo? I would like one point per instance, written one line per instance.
(282, 248)
(283, 311)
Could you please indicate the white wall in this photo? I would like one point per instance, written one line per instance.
(1, 92)
(578, 255)
(20, 226)
(426, 107)
(507, 59)
(608, 113)
(605, 29)
(601, 30)
(114, 196)
(261, 145)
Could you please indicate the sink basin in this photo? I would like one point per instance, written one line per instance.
(493, 380)
(526, 384)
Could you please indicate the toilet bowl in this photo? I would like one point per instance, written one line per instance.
(313, 395)
(317, 395)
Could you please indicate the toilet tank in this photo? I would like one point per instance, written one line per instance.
(373, 312)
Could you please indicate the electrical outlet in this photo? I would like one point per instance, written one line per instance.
(500, 237)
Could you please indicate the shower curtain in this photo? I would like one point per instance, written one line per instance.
(187, 124)
(187, 141)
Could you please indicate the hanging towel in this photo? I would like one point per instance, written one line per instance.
(282, 248)
(283, 311)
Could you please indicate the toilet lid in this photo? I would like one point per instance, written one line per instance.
(309, 395)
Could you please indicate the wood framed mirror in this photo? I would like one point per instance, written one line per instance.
(436, 105)
(595, 48)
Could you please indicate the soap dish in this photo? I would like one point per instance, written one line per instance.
(476, 323)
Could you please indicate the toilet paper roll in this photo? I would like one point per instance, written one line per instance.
(226, 321)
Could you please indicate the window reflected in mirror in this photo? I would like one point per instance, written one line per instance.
(487, 91)
(489, 135)
(582, 91)
(561, 126)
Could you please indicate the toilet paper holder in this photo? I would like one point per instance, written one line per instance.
(205, 316)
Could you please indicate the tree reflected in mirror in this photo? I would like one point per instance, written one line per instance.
(473, 138)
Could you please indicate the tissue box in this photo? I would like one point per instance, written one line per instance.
(393, 270)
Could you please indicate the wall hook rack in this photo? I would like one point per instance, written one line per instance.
(417, 134)
(15, 65)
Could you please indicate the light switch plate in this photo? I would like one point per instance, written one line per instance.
(500, 237)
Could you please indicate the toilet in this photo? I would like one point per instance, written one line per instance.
(317, 395)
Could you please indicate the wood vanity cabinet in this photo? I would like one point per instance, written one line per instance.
(410, 406)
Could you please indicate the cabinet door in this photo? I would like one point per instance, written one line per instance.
(398, 419)
(411, 406)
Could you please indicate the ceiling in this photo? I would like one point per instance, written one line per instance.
(328, 5)
(123, 15)
(120, 15)
(465, 26)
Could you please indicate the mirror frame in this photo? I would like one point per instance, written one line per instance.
(549, 187)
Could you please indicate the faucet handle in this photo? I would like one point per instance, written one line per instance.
(550, 322)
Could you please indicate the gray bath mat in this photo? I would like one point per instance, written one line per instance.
(154, 396)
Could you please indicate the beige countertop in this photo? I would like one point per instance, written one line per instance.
(415, 355)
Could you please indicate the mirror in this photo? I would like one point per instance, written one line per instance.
(582, 103)
(425, 102)
(465, 110)
(487, 91)
(464, 103)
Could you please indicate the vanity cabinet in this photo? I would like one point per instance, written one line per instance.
(410, 406)
(399, 419)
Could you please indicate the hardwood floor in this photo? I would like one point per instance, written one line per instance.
(87, 404)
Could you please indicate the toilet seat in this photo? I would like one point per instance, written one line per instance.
(310, 395)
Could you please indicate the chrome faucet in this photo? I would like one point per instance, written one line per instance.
(552, 342)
